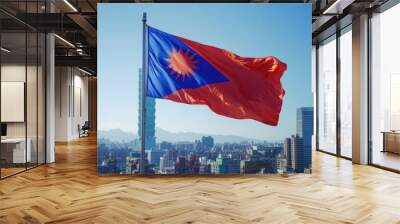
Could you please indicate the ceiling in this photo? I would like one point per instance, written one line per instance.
(75, 22)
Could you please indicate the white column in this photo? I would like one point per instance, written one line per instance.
(50, 99)
(360, 90)
(50, 92)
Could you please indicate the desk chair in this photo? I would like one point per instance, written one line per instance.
(84, 130)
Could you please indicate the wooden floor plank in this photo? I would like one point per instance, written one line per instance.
(70, 191)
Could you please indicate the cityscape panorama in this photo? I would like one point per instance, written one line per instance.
(205, 155)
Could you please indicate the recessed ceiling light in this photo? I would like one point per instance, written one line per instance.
(70, 5)
(5, 50)
(64, 40)
(84, 71)
(337, 7)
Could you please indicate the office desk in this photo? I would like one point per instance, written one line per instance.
(391, 141)
(13, 150)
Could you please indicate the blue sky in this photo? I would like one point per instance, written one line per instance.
(249, 30)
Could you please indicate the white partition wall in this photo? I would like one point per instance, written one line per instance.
(71, 102)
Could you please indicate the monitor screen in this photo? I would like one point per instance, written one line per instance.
(3, 129)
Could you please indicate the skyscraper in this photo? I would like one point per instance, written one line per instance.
(207, 142)
(297, 154)
(180, 165)
(153, 156)
(150, 117)
(281, 164)
(224, 165)
(305, 129)
(287, 150)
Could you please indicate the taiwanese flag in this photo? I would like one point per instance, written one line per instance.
(188, 72)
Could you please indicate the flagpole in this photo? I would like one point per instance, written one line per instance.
(144, 90)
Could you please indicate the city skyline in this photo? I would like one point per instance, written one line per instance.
(184, 118)
(202, 156)
(205, 156)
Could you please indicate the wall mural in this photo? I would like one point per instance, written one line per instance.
(212, 88)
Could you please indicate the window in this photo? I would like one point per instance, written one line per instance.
(346, 92)
(385, 89)
(327, 95)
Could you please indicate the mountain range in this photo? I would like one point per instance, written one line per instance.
(119, 135)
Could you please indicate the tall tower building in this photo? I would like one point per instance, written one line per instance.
(297, 154)
(305, 129)
(207, 141)
(287, 150)
(150, 117)
(281, 165)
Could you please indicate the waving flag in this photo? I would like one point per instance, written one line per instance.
(188, 72)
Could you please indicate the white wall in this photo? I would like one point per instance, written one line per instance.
(9, 73)
(17, 73)
(81, 109)
(62, 82)
(33, 127)
(71, 102)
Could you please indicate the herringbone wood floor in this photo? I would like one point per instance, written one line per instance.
(70, 191)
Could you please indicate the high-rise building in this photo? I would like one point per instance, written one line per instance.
(207, 142)
(180, 165)
(132, 165)
(192, 164)
(166, 165)
(281, 165)
(305, 129)
(261, 165)
(162, 163)
(287, 151)
(153, 156)
(223, 165)
(297, 154)
(150, 117)
(167, 161)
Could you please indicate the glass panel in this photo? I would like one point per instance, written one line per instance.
(13, 89)
(41, 98)
(31, 88)
(386, 89)
(22, 89)
(346, 93)
(31, 97)
(327, 95)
